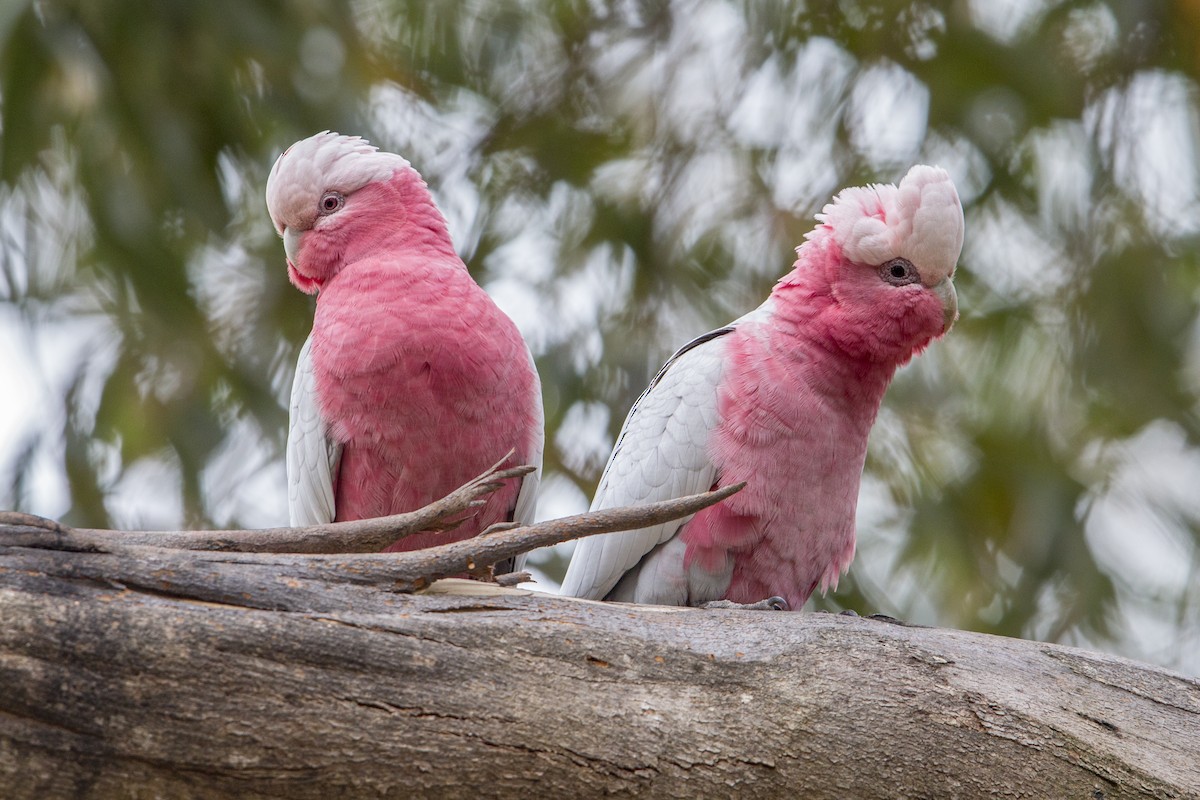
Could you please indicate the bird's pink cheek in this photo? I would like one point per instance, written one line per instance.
(927, 317)
(304, 284)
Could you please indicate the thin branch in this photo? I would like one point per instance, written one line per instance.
(404, 572)
(357, 536)
(492, 548)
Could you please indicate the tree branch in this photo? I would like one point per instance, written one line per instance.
(357, 536)
(200, 573)
(344, 689)
(137, 669)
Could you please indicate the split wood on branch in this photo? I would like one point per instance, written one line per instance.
(357, 536)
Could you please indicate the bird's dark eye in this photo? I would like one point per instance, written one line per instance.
(899, 272)
(331, 202)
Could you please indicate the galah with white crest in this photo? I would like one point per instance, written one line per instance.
(783, 399)
(413, 381)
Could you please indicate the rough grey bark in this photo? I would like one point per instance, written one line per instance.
(123, 674)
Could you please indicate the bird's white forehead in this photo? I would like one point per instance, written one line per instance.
(921, 220)
(324, 162)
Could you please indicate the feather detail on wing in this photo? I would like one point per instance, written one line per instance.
(660, 454)
(312, 456)
(525, 510)
(526, 507)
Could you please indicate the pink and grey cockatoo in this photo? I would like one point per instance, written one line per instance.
(413, 381)
(782, 399)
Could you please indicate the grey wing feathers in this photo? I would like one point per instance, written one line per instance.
(312, 456)
(660, 454)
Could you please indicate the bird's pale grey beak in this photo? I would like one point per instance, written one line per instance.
(291, 244)
(944, 289)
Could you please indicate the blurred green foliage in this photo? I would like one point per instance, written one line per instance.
(623, 176)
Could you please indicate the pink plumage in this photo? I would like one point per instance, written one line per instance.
(783, 399)
(413, 381)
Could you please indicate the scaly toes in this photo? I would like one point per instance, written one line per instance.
(775, 603)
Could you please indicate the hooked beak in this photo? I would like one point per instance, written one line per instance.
(944, 290)
(291, 244)
(291, 248)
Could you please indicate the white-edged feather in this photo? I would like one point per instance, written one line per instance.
(661, 454)
(526, 507)
(525, 511)
(312, 456)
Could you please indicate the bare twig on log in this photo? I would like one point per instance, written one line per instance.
(357, 536)
(202, 574)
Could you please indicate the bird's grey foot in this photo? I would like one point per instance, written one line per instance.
(770, 604)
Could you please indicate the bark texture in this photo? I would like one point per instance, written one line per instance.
(127, 677)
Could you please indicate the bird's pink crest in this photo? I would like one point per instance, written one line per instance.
(920, 220)
(323, 162)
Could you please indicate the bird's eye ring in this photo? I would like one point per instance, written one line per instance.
(899, 272)
(331, 202)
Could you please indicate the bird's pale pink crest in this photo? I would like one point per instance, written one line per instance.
(323, 162)
(920, 220)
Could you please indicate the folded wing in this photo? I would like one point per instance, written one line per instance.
(661, 454)
(312, 456)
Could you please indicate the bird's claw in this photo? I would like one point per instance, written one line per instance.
(775, 603)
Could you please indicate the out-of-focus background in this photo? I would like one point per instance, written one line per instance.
(622, 176)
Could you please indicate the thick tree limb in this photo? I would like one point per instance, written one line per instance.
(115, 692)
(129, 670)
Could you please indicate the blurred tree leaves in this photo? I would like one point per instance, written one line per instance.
(622, 176)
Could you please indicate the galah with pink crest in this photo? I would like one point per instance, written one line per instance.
(413, 381)
(782, 399)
